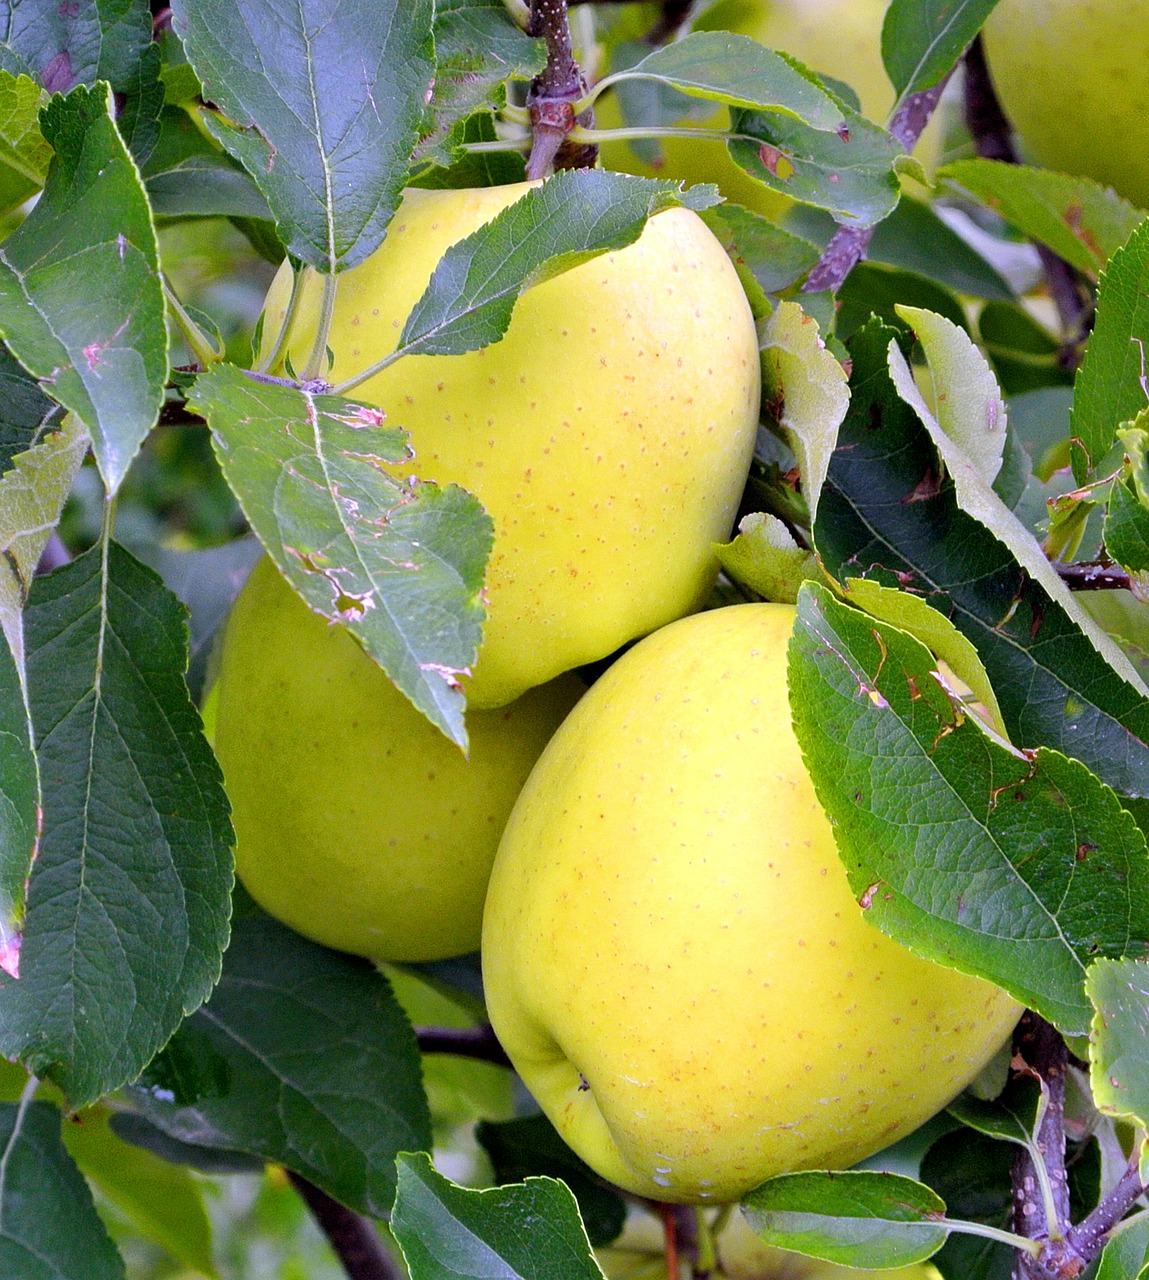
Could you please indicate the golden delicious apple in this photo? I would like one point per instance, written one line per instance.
(608, 434)
(837, 38)
(673, 957)
(357, 822)
(1073, 77)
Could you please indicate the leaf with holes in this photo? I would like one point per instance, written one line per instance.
(399, 562)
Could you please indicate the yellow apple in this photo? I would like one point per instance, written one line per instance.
(608, 434)
(357, 823)
(837, 38)
(1073, 77)
(673, 958)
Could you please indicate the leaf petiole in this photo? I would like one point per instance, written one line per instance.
(317, 361)
(274, 358)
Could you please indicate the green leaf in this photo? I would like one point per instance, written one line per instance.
(530, 1146)
(765, 558)
(1112, 381)
(853, 175)
(531, 1231)
(32, 495)
(400, 563)
(914, 238)
(26, 413)
(301, 1056)
(574, 216)
(1012, 1117)
(923, 39)
(765, 255)
(327, 103)
(973, 1175)
(133, 1128)
(734, 69)
(885, 514)
(24, 151)
(1079, 219)
(874, 289)
(1126, 1254)
(911, 613)
(188, 177)
(162, 1201)
(477, 48)
(804, 391)
(969, 435)
(1127, 530)
(128, 903)
(81, 304)
(69, 44)
(1118, 1063)
(855, 1219)
(49, 1228)
(1020, 868)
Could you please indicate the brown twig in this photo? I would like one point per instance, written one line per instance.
(993, 138)
(353, 1237)
(552, 96)
(1093, 575)
(479, 1043)
(849, 244)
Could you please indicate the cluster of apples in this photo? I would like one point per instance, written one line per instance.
(672, 956)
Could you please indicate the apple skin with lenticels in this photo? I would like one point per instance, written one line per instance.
(608, 433)
(672, 955)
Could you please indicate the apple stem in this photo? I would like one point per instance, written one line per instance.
(848, 245)
(274, 357)
(553, 94)
(993, 138)
(317, 361)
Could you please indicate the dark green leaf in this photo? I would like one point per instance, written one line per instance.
(128, 904)
(1080, 220)
(853, 176)
(1127, 530)
(923, 39)
(856, 1219)
(474, 168)
(62, 45)
(187, 176)
(575, 216)
(25, 411)
(734, 69)
(1012, 1117)
(1119, 1065)
(1111, 384)
(81, 304)
(139, 119)
(49, 1228)
(477, 47)
(915, 238)
(137, 1130)
(399, 562)
(871, 289)
(301, 1056)
(1019, 868)
(885, 513)
(530, 1231)
(530, 1147)
(972, 1175)
(19, 805)
(771, 257)
(327, 103)
(1024, 355)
